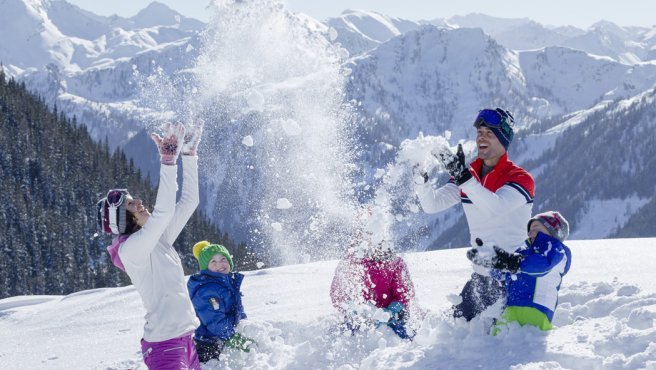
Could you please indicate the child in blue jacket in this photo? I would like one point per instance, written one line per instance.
(533, 273)
(215, 294)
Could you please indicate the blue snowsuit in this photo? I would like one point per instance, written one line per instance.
(217, 300)
(537, 282)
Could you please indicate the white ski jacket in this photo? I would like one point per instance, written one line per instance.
(154, 266)
(497, 207)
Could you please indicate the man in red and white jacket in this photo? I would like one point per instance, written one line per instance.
(496, 195)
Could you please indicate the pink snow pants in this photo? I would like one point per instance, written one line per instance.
(173, 354)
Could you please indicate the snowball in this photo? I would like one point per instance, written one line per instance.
(247, 140)
(283, 203)
(276, 226)
(454, 299)
(381, 315)
(254, 101)
(290, 127)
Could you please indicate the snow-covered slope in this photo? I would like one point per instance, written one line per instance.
(601, 189)
(606, 320)
(572, 80)
(30, 39)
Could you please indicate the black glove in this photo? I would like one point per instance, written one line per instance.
(455, 165)
(501, 261)
(506, 261)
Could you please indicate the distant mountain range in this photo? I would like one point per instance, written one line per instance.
(406, 78)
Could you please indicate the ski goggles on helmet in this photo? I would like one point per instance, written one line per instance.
(116, 197)
(496, 119)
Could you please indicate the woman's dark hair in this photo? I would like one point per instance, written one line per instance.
(131, 225)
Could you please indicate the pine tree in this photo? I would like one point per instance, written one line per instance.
(53, 174)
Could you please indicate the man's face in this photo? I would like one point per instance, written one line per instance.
(489, 147)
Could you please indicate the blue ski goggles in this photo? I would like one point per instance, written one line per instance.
(496, 118)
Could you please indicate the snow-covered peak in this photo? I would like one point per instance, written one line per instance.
(359, 30)
(376, 26)
(491, 25)
(606, 38)
(567, 31)
(156, 14)
(528, 35)
(30, 39)
(605, 26)
(572, 79)
(429, 79)
(76, 22)
(42, 32)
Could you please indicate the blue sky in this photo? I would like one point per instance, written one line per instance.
(580, 13)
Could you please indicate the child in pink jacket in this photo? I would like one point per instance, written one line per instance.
(372, 274)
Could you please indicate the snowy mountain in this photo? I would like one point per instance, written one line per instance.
(54, 31)
(605, 320)
(608, 39)
(295, 104)
(429, 79)
(359, 31)
(89, 64)
(571, 80)
(623, 44)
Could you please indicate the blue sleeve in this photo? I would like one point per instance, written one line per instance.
(240, 313)
(240, 308)
(541, 262)
(216, 317)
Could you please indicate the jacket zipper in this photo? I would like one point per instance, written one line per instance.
(174, 348)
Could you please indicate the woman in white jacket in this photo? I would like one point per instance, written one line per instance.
(143, 248)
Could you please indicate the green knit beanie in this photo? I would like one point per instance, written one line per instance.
(206, 254)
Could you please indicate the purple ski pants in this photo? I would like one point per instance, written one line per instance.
(173, 354)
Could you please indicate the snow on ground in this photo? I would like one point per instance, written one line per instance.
(606, 320)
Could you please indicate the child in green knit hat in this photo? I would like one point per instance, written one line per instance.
(213, 257)
(216, 296)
